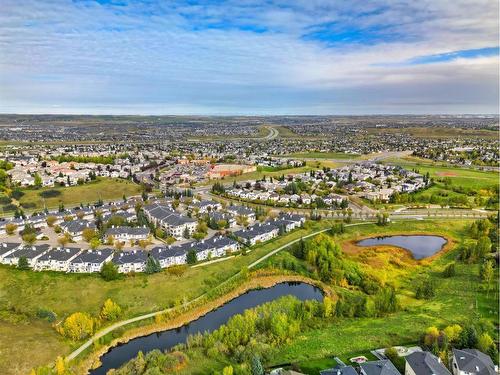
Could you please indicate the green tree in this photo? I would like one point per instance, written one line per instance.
(23, 264)
(483, 246)
(468, 337)
(95, 243)
(88, 234)
(38, 181)
(109, 271)
(485, 342)
(487, 273)
(256, 366)
(449, 270)
(152, 265)
(191, 257)
(10, 228)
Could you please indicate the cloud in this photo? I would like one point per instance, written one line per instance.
(305, 56)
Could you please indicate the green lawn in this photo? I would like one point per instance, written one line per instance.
(467, 178)
(103, 188)
(324, 155)
(458, 299)
(257, 175)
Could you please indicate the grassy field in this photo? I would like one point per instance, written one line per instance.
(23, 293)
(103, 188)
(458, 299)
(439, 132)
(260, 174)
(324, 155)
(27, 341)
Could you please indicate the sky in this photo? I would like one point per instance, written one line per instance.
(249, 57)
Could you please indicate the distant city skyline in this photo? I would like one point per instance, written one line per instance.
(249, 57)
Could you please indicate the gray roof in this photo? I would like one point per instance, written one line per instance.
(474, 361)
(425, 363)
(93, 256)
(130, 230)
(5, 247)
(60, 254)
(255, 230)
(382, 367)
(165, 252)
(339, 370)
(176, 220)
(77, 226)
(216, 242)
(240, 210)
(134, 256)
(217, 215)
(29, 252)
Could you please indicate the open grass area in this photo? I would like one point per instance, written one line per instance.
(23, 293)
(464, 177)
(439, 132)
(458, 299)
(102, 188)
(324, 155)
(257, 175)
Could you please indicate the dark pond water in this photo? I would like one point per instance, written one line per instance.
(121, 354)
(420, 246)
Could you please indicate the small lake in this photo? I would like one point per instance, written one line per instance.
(121, 354)
(420, 246)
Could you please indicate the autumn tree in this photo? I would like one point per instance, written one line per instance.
(78, 326)
(110, 310)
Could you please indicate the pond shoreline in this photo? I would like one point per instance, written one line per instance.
(259, 281)
(447, 246)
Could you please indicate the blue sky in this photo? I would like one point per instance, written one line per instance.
(249, 56)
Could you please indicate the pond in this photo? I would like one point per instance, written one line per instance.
(421, 246)
(119, 355)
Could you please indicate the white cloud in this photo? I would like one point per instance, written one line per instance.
(244, 56)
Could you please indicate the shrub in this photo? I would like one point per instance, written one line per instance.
(48, 315)
(109, 271)
(425, 290)
(16, 194)
(51, 193)
(28, 205)
(449, 271)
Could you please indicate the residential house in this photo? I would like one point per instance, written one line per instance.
(131, 261)
(339, 370)
(57, 259)
(127, 233)
(31, 253)
(75, 228)
(90, 261)
(169, 255)
(472, 362)
(424, 363)
(257, 233)
(245, 212)
(382, 367)
(6, 248)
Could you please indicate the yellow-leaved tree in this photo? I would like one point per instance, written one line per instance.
(110, 310)
(78, 326)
